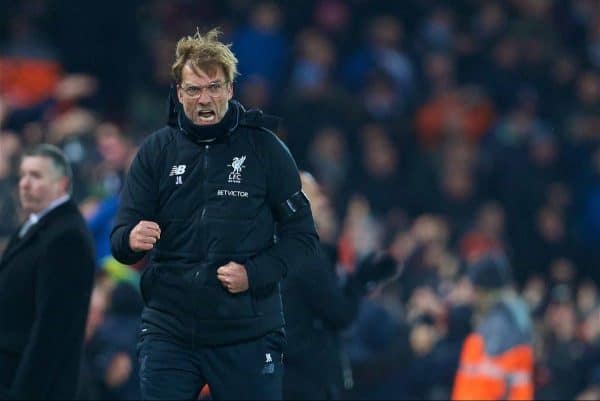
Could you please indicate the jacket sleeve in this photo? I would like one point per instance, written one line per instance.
(297, 239)
(335, 305)
(138, 202)
(62, 293)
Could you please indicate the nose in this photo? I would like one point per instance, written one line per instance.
(204, 98)
(24, 182)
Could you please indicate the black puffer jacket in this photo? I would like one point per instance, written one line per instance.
(215, 202)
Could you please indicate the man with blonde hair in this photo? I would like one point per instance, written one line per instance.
(203, 198)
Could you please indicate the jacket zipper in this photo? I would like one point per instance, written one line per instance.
(202, 214)
(204, 197)
(204, 182)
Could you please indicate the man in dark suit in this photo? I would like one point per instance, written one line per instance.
(46, 277)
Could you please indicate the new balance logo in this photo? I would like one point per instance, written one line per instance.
(177, 171)
(268, 358)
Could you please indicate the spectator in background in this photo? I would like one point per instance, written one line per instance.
(10, 149)
(591, 213)
(378, 356)
(46, 277)
(115, 340)
(330, 160)
(91, 375)
(314, 90)
(499, 74)
(438, 329)
(381, 101)
(381, 181)
(382, 51)
(438, 30)
(255, 93)
(317, 309)
(562, 349)
(458, 193)
(549, 242)
(497, 358)
(563, 75)
(535, 294)
(487, 234)
(117, 151)
(453, 112)
(360, 232)
(590, 363)
(334, 17)
(29, 64)
(263, 34)
(488, 24)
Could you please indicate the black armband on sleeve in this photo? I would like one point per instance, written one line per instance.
(296, 203)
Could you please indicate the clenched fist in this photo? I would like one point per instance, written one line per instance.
(234, 277)
(144, 235)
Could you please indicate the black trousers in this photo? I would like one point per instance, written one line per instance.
(250, 370)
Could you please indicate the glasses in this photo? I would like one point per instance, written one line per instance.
(214, 89)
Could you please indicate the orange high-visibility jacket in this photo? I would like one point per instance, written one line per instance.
(497, 360)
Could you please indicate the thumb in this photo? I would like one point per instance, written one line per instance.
(224, 269)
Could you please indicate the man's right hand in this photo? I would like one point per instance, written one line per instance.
(143, 236)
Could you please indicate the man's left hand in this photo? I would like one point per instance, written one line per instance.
(234, 277)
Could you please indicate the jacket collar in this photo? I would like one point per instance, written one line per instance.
(37, 216)
(16, 244)
(203, 134)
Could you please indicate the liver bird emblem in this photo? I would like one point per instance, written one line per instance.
(238, 164)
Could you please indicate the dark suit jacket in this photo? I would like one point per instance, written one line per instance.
(45, 284)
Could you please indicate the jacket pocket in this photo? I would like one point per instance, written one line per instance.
(213, 281)
(171, 290)
(214, 302)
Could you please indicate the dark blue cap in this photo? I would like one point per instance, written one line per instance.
(491, 271)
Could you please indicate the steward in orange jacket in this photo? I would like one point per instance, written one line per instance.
(497, 360)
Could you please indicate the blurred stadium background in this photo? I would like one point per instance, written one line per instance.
(442, 129)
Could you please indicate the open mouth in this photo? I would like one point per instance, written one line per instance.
(206, 115)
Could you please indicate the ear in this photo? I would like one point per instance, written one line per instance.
(64, 184)
(61, 186)
(230, 90)
(179, 94)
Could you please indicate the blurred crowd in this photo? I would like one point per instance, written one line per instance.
(440, 130)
